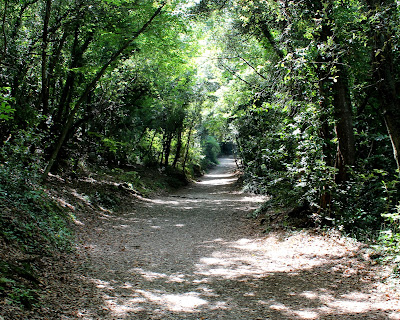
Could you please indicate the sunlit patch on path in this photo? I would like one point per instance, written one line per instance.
(192, 255)
(218, 179)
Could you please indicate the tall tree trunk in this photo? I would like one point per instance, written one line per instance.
(346, 153)
(54, 59)
(68, 89)
(45, 79)
(325, 131)
(4, 30)
(148, 151)
(167, 148)
(384, 72)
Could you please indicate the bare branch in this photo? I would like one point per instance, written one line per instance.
(235, 74)
(255, 70)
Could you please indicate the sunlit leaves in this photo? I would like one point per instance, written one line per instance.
(6, 111)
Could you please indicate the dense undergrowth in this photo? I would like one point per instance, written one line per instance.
(32, 225)
(366, 208)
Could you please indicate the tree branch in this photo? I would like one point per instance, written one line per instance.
(255, 70)
(235, 74)
(267, 33)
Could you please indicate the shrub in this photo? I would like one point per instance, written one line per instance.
(211, 150)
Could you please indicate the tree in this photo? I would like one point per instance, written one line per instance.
(297, 131)
(90, 86)
(383, 15)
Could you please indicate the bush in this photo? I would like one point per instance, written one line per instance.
(389, 237)
(6, 111)
(211, 150)
(361, 203)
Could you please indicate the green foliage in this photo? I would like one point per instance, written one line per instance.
(282, 105)
(388, 243)
(264, 74)
(29, 217)
(26, 297)
(363, 203)
(212, 150)
(389, 239)
(109, 149)
(6, 111)
(134, 181)
(14, 284)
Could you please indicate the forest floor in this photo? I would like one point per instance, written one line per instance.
(194, 254)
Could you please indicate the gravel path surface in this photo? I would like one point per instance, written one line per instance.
(194, 255)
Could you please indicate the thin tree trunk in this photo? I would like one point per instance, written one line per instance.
(384, 71)
(185, 159)
(346, 153)
(147, 152)
(178, 149)
(4, 29)
(392, 121)
(45, 78)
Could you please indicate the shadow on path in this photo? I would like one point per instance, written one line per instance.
(192, 255)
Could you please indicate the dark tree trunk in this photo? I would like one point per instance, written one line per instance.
(178, 149)
(334, 100)
(342, 110)
(325, 132)
(268, 35)
(148, 151)
(167, 148)
(68, 90)
(384, 72)
(4, 30)
(346, 152)
(45, 79)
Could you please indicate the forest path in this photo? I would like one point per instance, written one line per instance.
(194, 255)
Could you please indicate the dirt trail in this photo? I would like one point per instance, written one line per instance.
(193, 255)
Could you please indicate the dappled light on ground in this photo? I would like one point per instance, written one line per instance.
(303, 276)
(192, 255)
